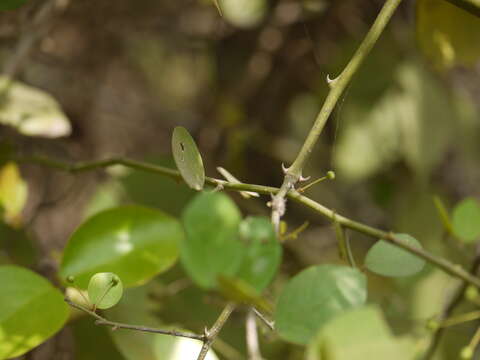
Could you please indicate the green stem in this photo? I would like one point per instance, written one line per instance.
(116, 325)
(211, 334)
(339, 84)
(450, 268)
(472, 6)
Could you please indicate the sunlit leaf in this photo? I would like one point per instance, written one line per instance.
(13, 194)
(31, 311)
(315, 296)
(211, 247)
(387, 259)
(358, 334)
(262, 254)
(187, 158)
(466, 220)
(447, 34)
(31, 111)
(243, 13)
(105, 290)
(136, 243)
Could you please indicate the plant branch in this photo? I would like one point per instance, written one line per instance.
(447, 266)
(116, 325)
(472, 6)
(293, 174)
(456, 300)
(211, 334)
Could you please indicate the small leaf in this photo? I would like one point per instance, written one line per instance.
(13, 194)
(466, 220)
(134, 242)
(105, 290)
(31, 111)
(389, 260)
(358, 334)
(187, 158)
(11, 4)
(211, 247)
(262, 254)
(315, 296)
(240, 291)
(31, 311)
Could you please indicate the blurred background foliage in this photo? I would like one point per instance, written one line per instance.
(112, 78)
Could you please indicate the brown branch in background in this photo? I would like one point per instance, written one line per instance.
(36, 29)
(116, 325)
(211, 334)
(456, 300)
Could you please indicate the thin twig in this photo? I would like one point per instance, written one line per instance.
(116, 325)
(211, 334)
(293, 174)
(443, 264)
(270, 324)
(253, 346)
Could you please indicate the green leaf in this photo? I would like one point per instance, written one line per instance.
(11, 4)
(315, 296)
(136, 243)
(241, 292)
(262, 254)
(447, 34)
(390, 260)
(357, 334)
(211, 247)
(31, 311)
(31, 111)
(105, 290)
(187, 158)
(244, 13)
(466, 220)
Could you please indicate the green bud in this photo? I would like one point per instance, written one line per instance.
(466, 353)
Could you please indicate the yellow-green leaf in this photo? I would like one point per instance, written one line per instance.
(447, 34)
(13, 193)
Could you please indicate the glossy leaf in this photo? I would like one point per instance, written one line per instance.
(136, 243)
(315, 296)
(447, 34)
(390, 260)
(211, 247)
(466, 220)
(31, 311)
(105, 290)
(187, 158)
(13, 193)
(358, 334)
(11, 4)
(262, 252)
(32, 111)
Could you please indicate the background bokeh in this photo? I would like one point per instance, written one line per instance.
(248, 86)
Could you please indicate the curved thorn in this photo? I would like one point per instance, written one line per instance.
(285, 169)
(304, 178)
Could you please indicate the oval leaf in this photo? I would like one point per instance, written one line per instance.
(466, 220)
(315, 296)
(134, 242)
(105, 290)
(358, 334)
(187, 158)
(262, 254)
(389, 260)
(211, 247)
(32, 310)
